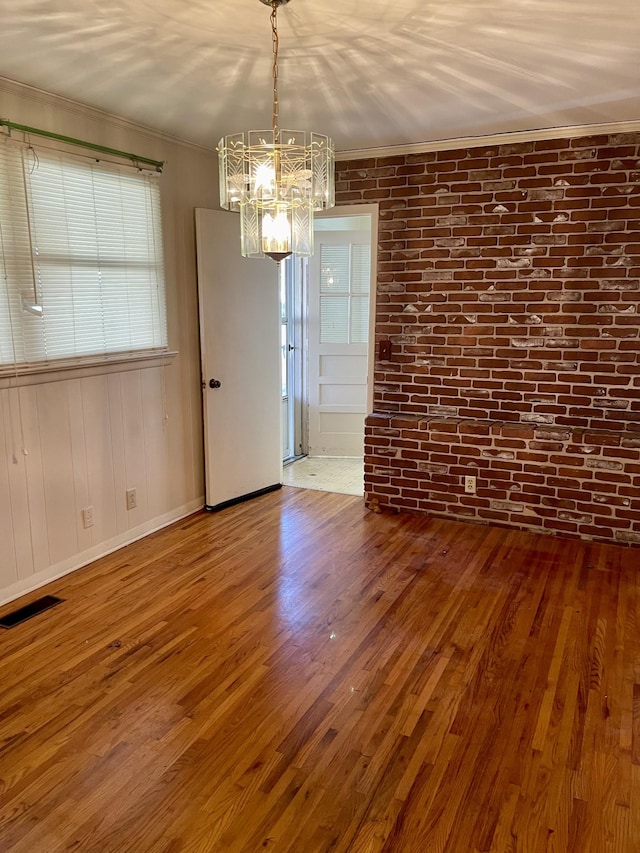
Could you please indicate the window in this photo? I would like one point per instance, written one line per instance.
(344, 293)
(81, 272)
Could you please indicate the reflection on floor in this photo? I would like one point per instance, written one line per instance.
(327, 474)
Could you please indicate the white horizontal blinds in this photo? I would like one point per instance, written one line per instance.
(96, 243)
(16, 269)
(344, 293)
(334, 294)
(93, 244)
(360, 284)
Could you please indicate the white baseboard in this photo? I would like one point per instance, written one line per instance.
(52, 573)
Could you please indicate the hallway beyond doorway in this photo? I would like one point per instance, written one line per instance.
(344, 475)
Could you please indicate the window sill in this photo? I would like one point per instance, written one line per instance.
(79, 368)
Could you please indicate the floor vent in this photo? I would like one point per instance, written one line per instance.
(10, 620)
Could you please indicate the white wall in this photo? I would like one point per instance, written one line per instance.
(81, 438)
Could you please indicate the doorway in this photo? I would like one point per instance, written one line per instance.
(327, 313)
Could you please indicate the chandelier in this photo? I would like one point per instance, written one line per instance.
(277, 179)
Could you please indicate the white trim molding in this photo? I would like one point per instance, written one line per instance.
(14, 376)
(50, 99)
(509, 138)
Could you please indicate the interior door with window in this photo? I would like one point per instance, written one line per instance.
(240, 353)
(339, 315)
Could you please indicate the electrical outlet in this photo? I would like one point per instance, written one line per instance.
(132, 499)
(87, 516)
(470, 485)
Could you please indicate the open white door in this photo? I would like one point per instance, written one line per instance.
(340, 311)
(240, 350)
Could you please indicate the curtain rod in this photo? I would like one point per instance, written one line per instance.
(70, 140)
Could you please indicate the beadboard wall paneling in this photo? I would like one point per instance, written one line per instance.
(509, 289)
(67, 443)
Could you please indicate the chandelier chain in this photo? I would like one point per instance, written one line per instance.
(275, 41)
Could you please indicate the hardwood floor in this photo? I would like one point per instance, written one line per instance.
(300, 674)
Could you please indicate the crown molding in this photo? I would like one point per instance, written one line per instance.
(50, 99)
(508, 138)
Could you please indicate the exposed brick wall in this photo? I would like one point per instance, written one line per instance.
(508, 284)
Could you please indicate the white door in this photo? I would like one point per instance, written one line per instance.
(240, 350)
(339, 319)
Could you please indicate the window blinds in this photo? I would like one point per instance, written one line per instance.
(80, 258)
(344, 293)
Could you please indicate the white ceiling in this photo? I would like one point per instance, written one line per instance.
(367, 72)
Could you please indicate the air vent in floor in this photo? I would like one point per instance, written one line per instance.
(10, 620)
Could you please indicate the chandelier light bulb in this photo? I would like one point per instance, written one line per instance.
(276, 234)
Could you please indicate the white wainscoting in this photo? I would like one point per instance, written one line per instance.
(71, 444)
(91, 433)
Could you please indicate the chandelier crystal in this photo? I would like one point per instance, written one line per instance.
(277, 179)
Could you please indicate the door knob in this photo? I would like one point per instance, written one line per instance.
(214, 383)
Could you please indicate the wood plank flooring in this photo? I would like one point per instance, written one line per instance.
(300, 674)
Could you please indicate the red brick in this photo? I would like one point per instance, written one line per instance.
(555, 271)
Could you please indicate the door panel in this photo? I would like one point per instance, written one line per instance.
(340, 423)
(240, 348)
(339, 299)
(343, 395)
(355, 366)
